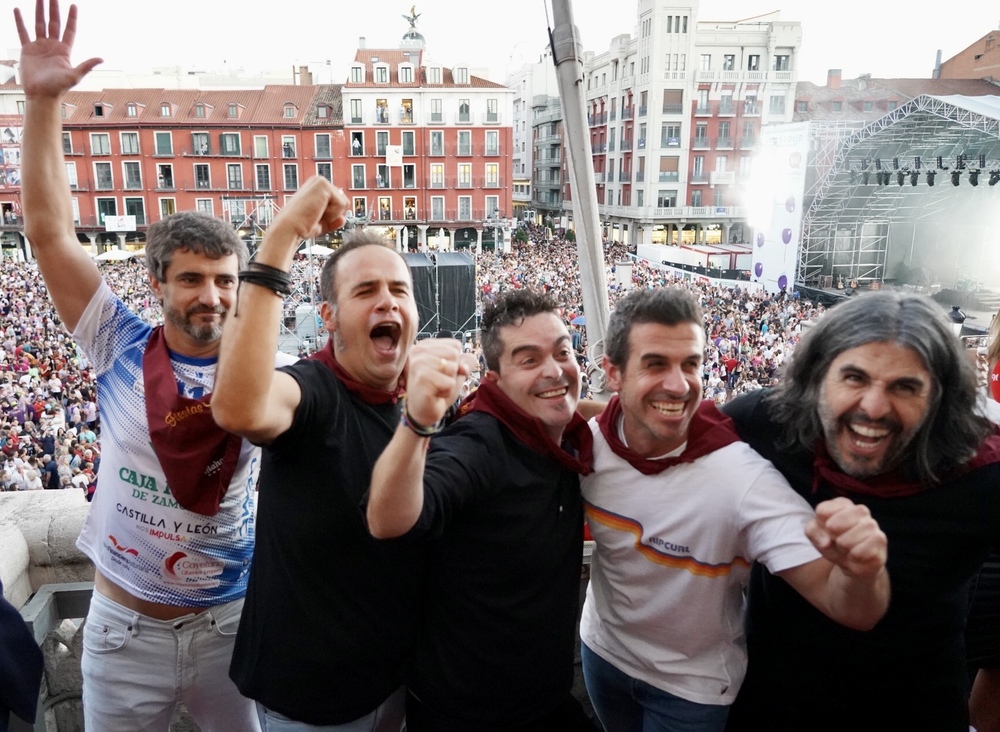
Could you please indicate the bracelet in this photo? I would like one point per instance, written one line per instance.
(274, 279)
(407, 421)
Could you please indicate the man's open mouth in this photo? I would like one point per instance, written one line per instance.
(385, 336)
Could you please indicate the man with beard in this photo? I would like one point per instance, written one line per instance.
(171, 531)
(496, 498)
(877, 404)
(679, 508)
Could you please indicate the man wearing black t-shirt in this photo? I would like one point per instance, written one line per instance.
(878, 404)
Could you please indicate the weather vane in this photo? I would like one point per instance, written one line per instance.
(412, 17)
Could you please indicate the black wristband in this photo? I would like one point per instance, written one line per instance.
(407, 421)
(277, 281)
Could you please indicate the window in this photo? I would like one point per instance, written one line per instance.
(409, 176)
(406, 112)
(20, 107)
(202, 178)
(706, 62)
(262, 174)
(131, 172)
(381, 141)
(381, 74)
(492, 111)
(233, 110)
(260, 146)
(199, 110)
(437, 175)
(702, 101)
(357, 176)
(168, 207)
(729, 62)
(130, 143)
(234, 176)
(201, 143)
(410, 207)
(163, 143)
(204, 205)
(131, 110)
(291, 177)
(136, 207)
(100, 144)
(492, 142)
(98, 110)
(492, 175)
(67, 143)
(437, 208)
(357, 143)
(360, 207)
(288, 146)
(696, 197)
(465, 208)
(165, 110)
(102, 177)
(405, 74)
(801, 106)
(461, 75)
(753, 62)
(782, 62)
(357, 74)
(106, 207)
(71, 174)
(229, 142)
(868, 106)
(323, 145)
(464, 115)
(492, 207)
(289, 111)
(408, 144)
(355, 111)
(322, 111)
(434, 75)
(382, 176)
(465, 143)
(325, 170)
(164, 177)
(437, 143)
(698, 169)
(777, 104)
(836, 106)
(437, 114)
(384, 208)
(465, 175)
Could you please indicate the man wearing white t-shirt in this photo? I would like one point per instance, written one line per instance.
(679, 508)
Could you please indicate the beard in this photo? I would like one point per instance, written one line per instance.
(205, 333)
(863, 467)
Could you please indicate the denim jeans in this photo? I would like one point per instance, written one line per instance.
(625, 704)
(136, 669)
(387, 717)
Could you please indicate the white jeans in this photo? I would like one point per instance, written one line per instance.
(387, 717)
(136, 669)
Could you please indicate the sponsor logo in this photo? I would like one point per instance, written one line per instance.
(120, 547)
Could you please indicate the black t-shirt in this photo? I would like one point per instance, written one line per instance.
(504, 525)
(806, 672)
(330, 612)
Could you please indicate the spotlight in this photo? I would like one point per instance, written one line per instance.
(930, 178)
(960, 162)
(883, 178)
(864, 178)
(900, 177)
(940, 163)
(895, 163)
(878, 163)
(916, 162)
(914, 175)
(955, 177)
(982, 161)
(974, 177)
(994, 177)
(866, 163)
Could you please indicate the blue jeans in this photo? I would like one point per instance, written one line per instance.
(136, 669)
(388, 717)
(624, 704)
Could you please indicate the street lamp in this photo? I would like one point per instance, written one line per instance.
(957, 318)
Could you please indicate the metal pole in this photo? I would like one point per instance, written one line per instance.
(567, 54)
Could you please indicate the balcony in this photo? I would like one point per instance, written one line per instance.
(701, 143)
(492, 151)
(599, 148)
(596, 120)
(406, 117)
(727, 109)
(642, 110)
(673, 109)
(436, 151)
(491, 118)
(628, 112)
(698, 177)
(463, 118)
(722, 177)
(613, 116)
(640, 176)
(626, 145)
(435, 118)
(357, 120)
(748, 142)
(669, 176)
(751, 109)
(464, 151)
(625, 176)
(642, 143)
(611, 146)
(670, 142)
(724, 143)
(435, 183)
(549, 139)
(703, 110)
(599, 178)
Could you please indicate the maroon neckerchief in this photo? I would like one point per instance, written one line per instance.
(196, 455)
(367, 394)
(896, 483)
(489, 398)
(710, 430)
(995, 382)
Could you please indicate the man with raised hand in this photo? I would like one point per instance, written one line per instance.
(171, 530)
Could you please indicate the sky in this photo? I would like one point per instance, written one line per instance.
(884, 39)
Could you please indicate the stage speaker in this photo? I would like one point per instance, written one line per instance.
(422, 270)
(456, 278)
(827, 282)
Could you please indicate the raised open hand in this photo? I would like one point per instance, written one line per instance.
(46, 69)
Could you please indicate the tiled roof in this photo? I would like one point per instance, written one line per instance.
(393, 57)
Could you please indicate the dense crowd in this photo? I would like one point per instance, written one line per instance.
(48, 401)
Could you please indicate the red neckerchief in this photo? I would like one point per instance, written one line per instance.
(489, 398)
(710, 430)
(367, 394)
(896, 483)
(995, 382)
(197, 456)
